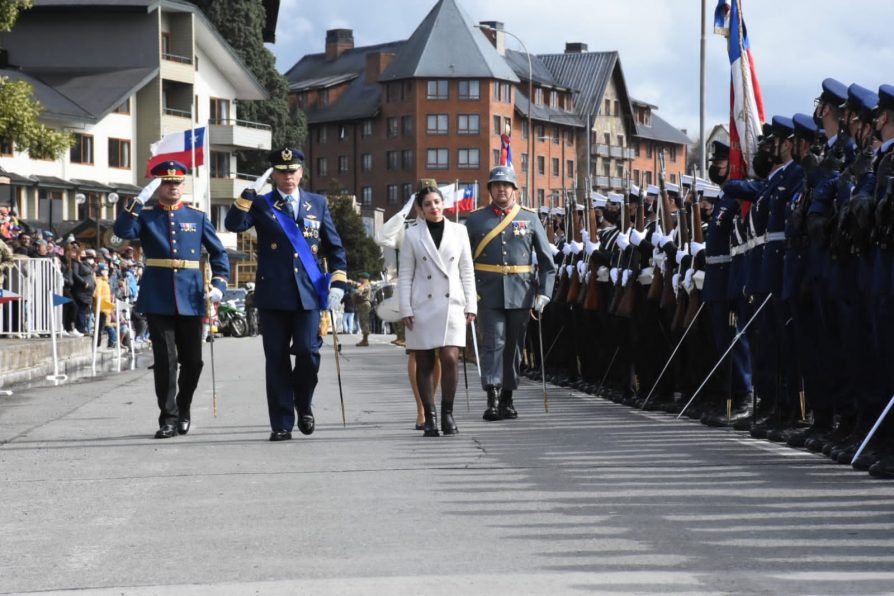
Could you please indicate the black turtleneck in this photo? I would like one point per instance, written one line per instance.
(436, 230)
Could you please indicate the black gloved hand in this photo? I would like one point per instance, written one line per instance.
(249, 194)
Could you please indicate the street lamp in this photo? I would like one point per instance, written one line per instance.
(530, 179)
(111, 199)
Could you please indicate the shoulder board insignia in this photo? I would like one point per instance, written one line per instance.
(149, 208)
(531, 209)
(476, 210)
(193, 207)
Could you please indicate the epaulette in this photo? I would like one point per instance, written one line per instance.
(476, 210)
(531, 209)
(193, 207)
(148, 208)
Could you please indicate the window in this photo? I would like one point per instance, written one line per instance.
(437, 89)
(569, 138)
(541, 197)
(673, 153)
(468, 124)
(607, 138)
(366, 129)
(617, 108)
(497, 121)
(506, 92)
(322, 98)
(366, 162)
(673, 178)
(606, 168)
(392, 160)
(553, 99)
(608, 107)
(390, 93)
(525, 130)
(406, 190)
(469, 159)
(6, 147)
(165, 43)
(569, 168)
(555, 135)
(555, 162)
(119, 153)
(524, 162)
(437, 159)
(648, 176)
(507, 125)
(342, 132)
(391, 194)
(82, 150)
(392, 127)
(541, 165)
(408, 161)
(124, 108)
(554, 197)
(49, 205)
(366, 195)
(636, 176)
(469, 90)
(538, 97)
(541, 132)
(342, 164)
(496, 157)
(219, 110)
(636, 149)
(320, 133)
(219, 164)
(648, 149)
(436, 124)
(619, 170)
(406, 124)
(322, 167)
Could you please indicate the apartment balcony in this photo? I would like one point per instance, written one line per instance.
(613, 151)
(240, 134)
(177, 68)
(602, 181)
(600, 150)
(617, 182)
(228, 188)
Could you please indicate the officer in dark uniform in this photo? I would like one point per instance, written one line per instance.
(295, 231)
(172, 292)
(503, 235)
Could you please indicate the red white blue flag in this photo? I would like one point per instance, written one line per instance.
(179, 146)
(746, 102)
(459, 200)
(505, 151)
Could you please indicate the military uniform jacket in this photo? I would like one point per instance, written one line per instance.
(717, 249)
(781, 191)
(512, 247)
(281, 281)
(175, 236)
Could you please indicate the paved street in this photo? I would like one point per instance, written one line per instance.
(590, 498)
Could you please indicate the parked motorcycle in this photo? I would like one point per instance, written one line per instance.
(233, 321)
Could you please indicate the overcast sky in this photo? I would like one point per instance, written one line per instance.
(795, 43)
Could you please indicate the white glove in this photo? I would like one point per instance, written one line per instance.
(585, 236)
(664, 241)
(335, 296)
(625, 277)
(148, 190)
(636, 237)
(566, 249)
(214, 294)
(554, 249)
(675, 282)
(657, 237)
(698, 279)
(697, 247)
(623, 241)
(534, 258)
(581, 270)
(569, 269)
(658, 259)
(613, 275)
(687, 280)
(576, 248)
(681, 254)
(591, 248)
(540, 302)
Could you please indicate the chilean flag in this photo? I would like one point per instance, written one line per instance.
(178, 146)
(464, 203)
(505, 151)
(746, 102)
(7, 296)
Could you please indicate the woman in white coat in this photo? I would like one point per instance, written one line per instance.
(436, 289)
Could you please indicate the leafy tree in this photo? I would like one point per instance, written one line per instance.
(363, 253)
(19, 111)
(241, 23)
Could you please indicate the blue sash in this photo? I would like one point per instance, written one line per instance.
(319, 279)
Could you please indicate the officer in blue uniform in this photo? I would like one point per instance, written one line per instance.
(295, 231)
(172, 292)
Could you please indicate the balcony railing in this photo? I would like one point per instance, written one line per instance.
(234, 122)
(614, 151)
(177, 113)
(176, 58)
(602, 181)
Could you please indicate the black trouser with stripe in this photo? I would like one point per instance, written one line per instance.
(175, 339)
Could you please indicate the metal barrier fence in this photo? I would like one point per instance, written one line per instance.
(35, 281)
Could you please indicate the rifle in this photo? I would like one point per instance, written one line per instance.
(695, 298)
(591, 293)
(656, 290)
(682, 298)
(574, 284)
(628, 293)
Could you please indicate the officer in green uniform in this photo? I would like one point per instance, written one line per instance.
(504, 237)
(362, 305)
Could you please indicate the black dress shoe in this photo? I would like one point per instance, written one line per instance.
(420, 426)
(280, 435)
(166, 432)
(183, 426)
(491, 414)
(306, 423)
(506, 409)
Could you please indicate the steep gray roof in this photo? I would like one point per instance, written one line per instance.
(97, 91)
(55, 104)
(519, 63)
(589, 74)
(448, 45)
(661, 130)
(360, 100)
(546, 113)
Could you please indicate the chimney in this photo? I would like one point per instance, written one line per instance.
(494, 32)
(376, 63)
(337, 42)
(575, 47)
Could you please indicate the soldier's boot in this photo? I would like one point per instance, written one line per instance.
(507, 410)
(448, 424)
(365, 341)
(491, 414)
(430, 427)
(883, 468)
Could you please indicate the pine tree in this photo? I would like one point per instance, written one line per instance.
(19, 111)
(363, 253)
(241, 23)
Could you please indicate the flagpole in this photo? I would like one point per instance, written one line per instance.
(192, 146)
(456, 191)
(702, 90)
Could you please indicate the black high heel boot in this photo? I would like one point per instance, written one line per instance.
(430, 428)
(448, 424)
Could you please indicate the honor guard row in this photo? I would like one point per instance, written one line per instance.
(764, 304)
